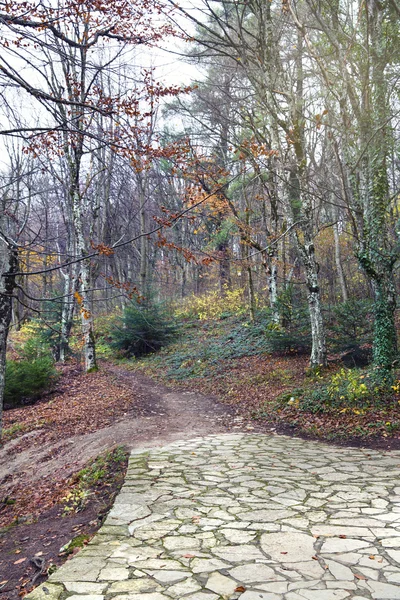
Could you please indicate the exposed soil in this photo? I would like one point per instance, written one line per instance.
(85, 416)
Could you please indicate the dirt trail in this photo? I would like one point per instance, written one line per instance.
(165, 416)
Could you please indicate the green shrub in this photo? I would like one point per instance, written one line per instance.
(34, 348)
(352, 325)
(141, 329)
(294, 335)
(26, 379)
(348, 389)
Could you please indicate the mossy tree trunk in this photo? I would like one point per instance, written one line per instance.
(378, 251)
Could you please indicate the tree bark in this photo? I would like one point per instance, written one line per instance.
(339, 266)
(8, 266)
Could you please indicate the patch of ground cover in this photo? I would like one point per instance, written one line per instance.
(352, 403)
(32, 546)
(204, 347)
(219, 358)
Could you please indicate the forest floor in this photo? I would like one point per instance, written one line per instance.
(52, 492)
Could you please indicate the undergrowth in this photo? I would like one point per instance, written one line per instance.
(356, 390)
(203, 347)
(101, 472)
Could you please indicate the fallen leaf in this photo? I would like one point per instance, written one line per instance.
(240, 588)
(283, 552)
(18, 552)
(357, 576)
(189, 556)
(21, 560)
(372, 557)
(314, 557)
(342, 537)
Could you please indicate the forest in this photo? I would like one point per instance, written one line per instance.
(260, 195)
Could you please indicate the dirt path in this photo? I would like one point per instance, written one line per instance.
(165, 416)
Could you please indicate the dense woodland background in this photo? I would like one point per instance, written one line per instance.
(269, 186)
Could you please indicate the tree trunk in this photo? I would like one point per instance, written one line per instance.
(67, 315)
(272, 273)
(87, 319)
(83, 296)
(225, 282)
(376, 255)
(385, 335)
(143, 240)
(339, 266)
(8, 266)
(302, 210)
(252, 300)
(318, 350)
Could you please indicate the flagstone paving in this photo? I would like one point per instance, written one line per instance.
(254, 517)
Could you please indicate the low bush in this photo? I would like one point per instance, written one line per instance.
(141, 329)
(26, 379)
(348, 389)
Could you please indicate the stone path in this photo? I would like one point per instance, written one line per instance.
(254, 517)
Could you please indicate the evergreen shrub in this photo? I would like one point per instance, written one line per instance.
(293, 332)
(351, 326)
(26, 379)
(142, 329)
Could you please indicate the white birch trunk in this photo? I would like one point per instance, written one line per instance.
(318, 349)
(67, 315)
(273, 288)
(89, 348)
